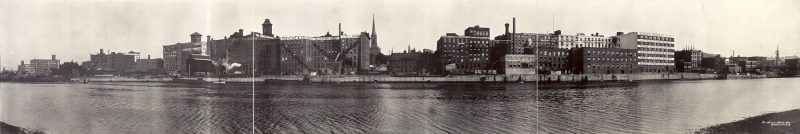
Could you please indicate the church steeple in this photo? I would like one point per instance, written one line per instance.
(374, 33)
(777, 56)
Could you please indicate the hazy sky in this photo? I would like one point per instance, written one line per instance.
(73, 29)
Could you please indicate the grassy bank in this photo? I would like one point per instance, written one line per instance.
(772, 123)
(10, 129)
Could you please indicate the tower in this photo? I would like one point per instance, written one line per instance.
(374, 49)
(777, 56)
(266, 28)
(195, 37)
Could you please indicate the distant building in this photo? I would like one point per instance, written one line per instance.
(655, 51)
(113, 62)
(603, 60)
(755, 64)
(688, 60)
(39, 66)
(414, 63)
(791, 67)
(469, 54)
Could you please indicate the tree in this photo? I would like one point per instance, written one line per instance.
(68, 69)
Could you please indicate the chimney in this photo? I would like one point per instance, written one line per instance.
(514, 22)
(620, 33)
(148, 56)
(53, 57)
(101, 51)
(506, 28)
(208, 38)
(22, 62)
(340, 29)
(241, 31)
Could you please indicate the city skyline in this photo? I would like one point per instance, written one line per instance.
(36, 30)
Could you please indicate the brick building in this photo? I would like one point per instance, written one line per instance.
(468, 54)
(176, 55)
(39, 66)
(688, 60)
(112, 62)
(603, 60)
(415, 63)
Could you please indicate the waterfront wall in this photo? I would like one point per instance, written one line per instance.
(119, 79)
(515, 78)
(456, 78)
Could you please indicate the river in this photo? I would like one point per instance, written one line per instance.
(644, 107)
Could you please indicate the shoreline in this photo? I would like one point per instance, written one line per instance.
(6, 128)
(773, 123)
(549, 79)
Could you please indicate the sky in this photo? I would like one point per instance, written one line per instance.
(36, 29)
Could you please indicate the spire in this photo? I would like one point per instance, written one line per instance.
(374, 34)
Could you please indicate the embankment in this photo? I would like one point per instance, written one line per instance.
(772, 123)
(575, 78)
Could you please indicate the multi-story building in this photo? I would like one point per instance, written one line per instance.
(552, 48)
(149, 65)
(328, 54)
(588, 60)
(688, 60)
(39, 66)
(655, 51)
(712, 63)
(581, 40)
(176, 55)
(468, 54)
(755, 64)
(414, 63)
(252, 52)
(113, 62)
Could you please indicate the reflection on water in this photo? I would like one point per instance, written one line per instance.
(647, 107)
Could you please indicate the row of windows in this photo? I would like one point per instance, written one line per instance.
(656, 44)
(609, 66)
(655, 55)
(611, 53)
(656, 38)
(611, 59)
(463, 40)
(655, 61)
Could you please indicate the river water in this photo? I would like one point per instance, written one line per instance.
(645, 107)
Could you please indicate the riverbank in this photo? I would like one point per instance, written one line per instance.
(772, 123)
(10, 129)
(560, 78)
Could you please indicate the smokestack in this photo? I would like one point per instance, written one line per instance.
(208, 38)
(22, 62)
(514, 22)
(148, 56)
(506, 28)
(340, 29)
(53, 57)
(101, 51)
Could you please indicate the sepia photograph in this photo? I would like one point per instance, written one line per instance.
(399, 66)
